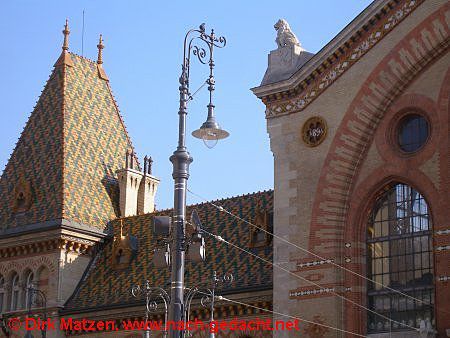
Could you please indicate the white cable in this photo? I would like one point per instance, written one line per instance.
(221, 239)
(309, 252)
(281, 314)
(289, 316)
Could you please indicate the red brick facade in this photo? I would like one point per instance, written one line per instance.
(386, 105)
(360, 160)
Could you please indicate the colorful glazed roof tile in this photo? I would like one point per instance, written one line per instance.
(68, 151)
(106, 286)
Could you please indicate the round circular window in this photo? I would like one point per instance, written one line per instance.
(413, 131)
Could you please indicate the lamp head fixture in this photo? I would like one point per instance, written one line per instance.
(210, 131)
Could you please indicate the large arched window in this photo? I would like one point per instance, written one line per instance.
(15, 290)
(399, 247)
(29, 280)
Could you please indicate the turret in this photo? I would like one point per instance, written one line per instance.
(147, 189)
(137, 189)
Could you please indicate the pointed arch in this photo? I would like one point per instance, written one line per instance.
(14, 295)
(337, 196)
(356, 132)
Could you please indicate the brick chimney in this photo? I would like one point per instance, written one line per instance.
(147, 189)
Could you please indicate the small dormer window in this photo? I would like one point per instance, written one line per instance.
(121, 257)
(21, 200)
(258, 236)
(124, 249)
(260, 233)
(22, 196)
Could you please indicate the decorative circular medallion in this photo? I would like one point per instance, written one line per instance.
(314, 131)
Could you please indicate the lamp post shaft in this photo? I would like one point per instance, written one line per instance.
(180, 160)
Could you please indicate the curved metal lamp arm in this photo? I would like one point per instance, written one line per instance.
(148, 290)
(213, 40)
(32, 293)
(190, 47)
(190, 295)
(152, 306)
(208, 295)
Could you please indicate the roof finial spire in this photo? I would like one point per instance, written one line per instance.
(100, 46)
(66, 33)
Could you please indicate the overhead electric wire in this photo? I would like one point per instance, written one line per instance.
(221, 239)
(310, 252)
(282, 314)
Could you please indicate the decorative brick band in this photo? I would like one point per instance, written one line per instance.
(314, 263)
(342, 205)
(310, 292)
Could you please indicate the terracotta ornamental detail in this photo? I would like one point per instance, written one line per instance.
(314, 131)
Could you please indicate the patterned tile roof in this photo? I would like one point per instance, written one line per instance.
(103, 285)
(68, 151)
(38, 159)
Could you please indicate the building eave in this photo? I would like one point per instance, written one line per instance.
(364, 19)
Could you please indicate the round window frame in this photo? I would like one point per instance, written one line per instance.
(395, 131)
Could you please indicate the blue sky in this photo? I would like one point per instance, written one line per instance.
(142, 58)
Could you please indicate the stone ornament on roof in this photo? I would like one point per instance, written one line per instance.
(285, 36)
(347, 54)
(287, 58)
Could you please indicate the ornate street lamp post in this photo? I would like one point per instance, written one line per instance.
(210, 132)
(151, 306)
(208, 298)
(36, 298)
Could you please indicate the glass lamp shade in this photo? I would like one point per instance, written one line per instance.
(210, 132)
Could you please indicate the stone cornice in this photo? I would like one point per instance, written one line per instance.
(355, 40)
(64, 242)
(51, 225)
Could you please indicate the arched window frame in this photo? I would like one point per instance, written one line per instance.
(15, 292)
(43, 280)
(406, 236)
(29, 282)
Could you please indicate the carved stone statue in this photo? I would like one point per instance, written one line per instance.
(285, 36)
(288, 58)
